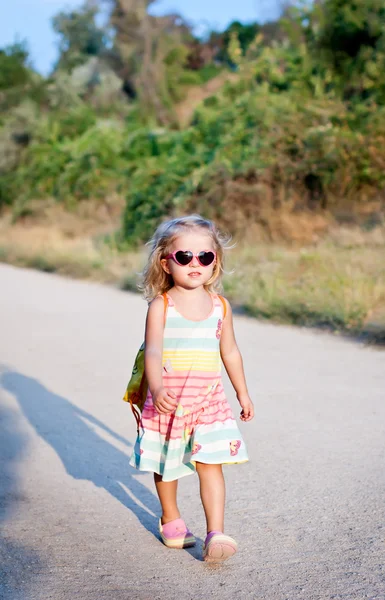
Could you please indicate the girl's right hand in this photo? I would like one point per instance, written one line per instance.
(165, 401)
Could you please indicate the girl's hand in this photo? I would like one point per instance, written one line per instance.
(165, 401)
(247, 408)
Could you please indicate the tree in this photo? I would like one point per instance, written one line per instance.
(79, 36)
(244, 33)
(146, 49)
(346, 42)
(348, 27)
(351, 39)
(14, 71)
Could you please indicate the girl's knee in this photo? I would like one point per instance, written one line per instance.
(205, 468)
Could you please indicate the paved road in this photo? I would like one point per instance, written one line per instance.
(78, 522)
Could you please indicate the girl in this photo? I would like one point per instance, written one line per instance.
(187, 424)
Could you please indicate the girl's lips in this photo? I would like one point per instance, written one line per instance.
(194, 274)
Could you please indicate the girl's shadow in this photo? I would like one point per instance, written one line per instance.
(84, 454)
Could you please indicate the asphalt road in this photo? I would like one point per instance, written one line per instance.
(77, 522)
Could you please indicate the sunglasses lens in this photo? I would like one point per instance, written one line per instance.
(184, 257)
(206, 258)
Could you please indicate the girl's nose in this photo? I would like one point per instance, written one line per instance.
(194, 262)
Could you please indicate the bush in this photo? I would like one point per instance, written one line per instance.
(279, 147)
(300, 125)
(14, 71)
(88, 166)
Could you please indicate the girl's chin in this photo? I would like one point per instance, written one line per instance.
(193, 283)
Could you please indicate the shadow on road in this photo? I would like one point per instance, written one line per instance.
(18, 562)
(84, 454)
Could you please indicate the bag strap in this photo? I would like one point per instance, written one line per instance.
(136, 414)
(221, 298)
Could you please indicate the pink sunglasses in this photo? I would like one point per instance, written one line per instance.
(184, 257)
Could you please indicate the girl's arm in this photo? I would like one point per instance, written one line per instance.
(232, 360)
(163, 399)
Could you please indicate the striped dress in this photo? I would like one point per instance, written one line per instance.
(202, 428)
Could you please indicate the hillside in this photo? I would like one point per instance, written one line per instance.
(276, 131)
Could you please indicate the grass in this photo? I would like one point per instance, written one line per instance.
(339, 283)
(340, 288)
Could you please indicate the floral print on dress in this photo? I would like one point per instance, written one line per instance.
(219, 329)
(196, 448)
(213, 386)
(168, 366)
(234, 447)
(187, 434)
(209, 390)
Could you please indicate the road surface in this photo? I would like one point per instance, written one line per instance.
(77, 522)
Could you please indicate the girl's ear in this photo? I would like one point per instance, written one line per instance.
(165, 267)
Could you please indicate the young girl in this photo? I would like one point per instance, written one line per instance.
(187, 424)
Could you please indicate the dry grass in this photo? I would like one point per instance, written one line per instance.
(64, 247)
(337, 283)
(340, 287)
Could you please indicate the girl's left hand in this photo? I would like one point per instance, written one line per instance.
(247, 408)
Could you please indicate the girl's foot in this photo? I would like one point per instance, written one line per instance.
(218, 547)
(176, 535)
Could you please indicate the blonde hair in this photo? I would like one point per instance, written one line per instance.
(155, 280)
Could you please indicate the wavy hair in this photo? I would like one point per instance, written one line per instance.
(155, 280)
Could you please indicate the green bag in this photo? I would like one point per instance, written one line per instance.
(136, 392)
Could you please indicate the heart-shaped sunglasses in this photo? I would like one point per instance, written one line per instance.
(184, 257)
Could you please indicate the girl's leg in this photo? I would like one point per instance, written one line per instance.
(167, 491)
(212, 487)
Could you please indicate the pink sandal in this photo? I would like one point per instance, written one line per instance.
(176, 535)
(218, 547)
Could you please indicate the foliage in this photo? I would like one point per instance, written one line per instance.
(17, 79)
(79, 36)
(276, 142)
(239, 34)
(14, 70)
(346, 37)
(69, 169)
(353, 40)
(300, 123)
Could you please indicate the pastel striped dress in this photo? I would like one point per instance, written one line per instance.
(202, 428)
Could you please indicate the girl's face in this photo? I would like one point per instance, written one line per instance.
(192, 275)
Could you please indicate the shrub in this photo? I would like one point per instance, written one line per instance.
(279, 147)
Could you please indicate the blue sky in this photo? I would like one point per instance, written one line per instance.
(30, 20)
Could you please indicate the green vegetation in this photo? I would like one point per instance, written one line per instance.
(13, 68)
(291, 139)
(304, 117)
